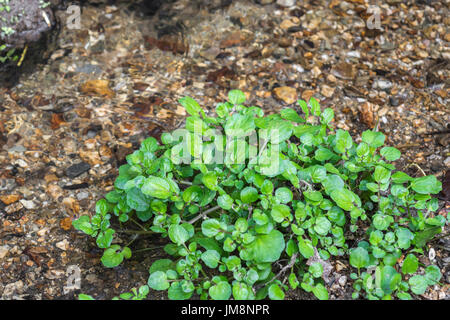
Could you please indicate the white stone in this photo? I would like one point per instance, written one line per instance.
(3, 251)
(431, 254)
(342, 281)
(29, 204)
(447, 162)
(286, 3)
(63, 245)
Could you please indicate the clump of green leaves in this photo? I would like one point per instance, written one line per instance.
(265, 219)
(7, 55)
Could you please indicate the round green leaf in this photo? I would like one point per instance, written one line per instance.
(433, 274)
(320, 292)
(236, 97)
(156, 187)
(158, 281)
(240, 291)
(111, 257)
(322, 226)
(211, 258)
(280, 212)
(410, 264)
(176, 292)
(390, 153)
(275, 292)
(178, 234)
(267, 247)
(220, 291)
(225, 202)
(284, 195)
(418, 284)
(210, 180)
(249, 195)
(305, 247)
(426, 185)
(359, 257)
(210, 227)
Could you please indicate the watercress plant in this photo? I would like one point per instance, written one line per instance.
(254, 205)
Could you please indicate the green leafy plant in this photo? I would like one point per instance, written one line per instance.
(252, 206)
(9, 55)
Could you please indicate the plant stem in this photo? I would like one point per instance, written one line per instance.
(136, 232)
(138, 224)
(147, 249)
(203, 214)
(283, 270)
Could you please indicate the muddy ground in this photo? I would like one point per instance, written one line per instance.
(67, 126)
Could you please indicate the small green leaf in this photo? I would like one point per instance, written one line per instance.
(267, 187)
(374, 139)
(266, 247)
(156, 187)
(390, 279)
(178, 234)
(220, 291)
(249, 195)
(210, 227)
(320, 292)
(359, 258)
(236, 97)
(327, 115)
(284, 195)
(192, 107)
(211, 258)
(158, 281)
(410, 264)
(210, 180)
(111, 257)
(305, 247)
(176, 292)
(280, 212)
(291, 114)
(83, 223)
(426, 185)
(381, 174)
(343, 198)
(418, 284)
(322, 226)
(225, 202)
(432, 274)
(275, 292)
(390, 153)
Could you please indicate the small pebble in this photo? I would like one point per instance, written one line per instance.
(342, 281)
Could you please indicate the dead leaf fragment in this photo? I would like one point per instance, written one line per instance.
(10, 198)
(366, 114)
(286, 94)
(65, 224)
(97, 87)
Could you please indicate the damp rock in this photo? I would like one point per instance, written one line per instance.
(77, 169)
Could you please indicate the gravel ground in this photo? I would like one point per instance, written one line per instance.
(65, 128)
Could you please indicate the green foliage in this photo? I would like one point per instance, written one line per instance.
(240, 225)
(7, 55)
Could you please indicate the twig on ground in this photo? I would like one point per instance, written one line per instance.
(282, 271)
